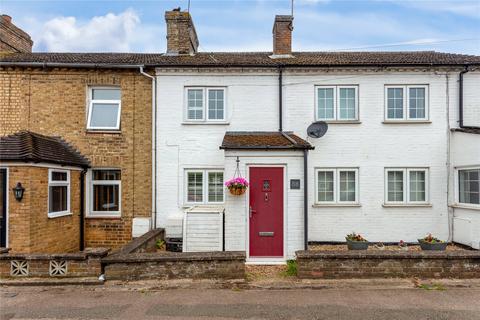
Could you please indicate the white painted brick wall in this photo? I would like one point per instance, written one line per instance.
(465, 153)
(252, 102)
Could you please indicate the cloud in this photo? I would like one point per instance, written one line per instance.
(468, 8)
(111, 33)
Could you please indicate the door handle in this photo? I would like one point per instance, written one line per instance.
(251, 211)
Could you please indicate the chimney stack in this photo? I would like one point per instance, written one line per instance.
(181, 35)
(12, 38)
(282, 35)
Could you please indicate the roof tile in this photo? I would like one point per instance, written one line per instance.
(263, 140)
(254, 59)
(33, 147)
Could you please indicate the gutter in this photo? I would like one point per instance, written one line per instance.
(154, 146)
(71, 65)
(460, 100)
(273, 66)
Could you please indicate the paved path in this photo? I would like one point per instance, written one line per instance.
(337, 303)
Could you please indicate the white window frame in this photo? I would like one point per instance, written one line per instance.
(336, 186)
(92, 182)
(90, 108)
(205, 191)
(336, 103)
(205, 114)
(56, 183)
(406, 103)
(457, 187)
(406, 186)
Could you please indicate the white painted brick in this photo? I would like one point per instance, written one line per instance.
(252, 104)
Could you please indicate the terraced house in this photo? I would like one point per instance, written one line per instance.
(76, 138)
(400, 158)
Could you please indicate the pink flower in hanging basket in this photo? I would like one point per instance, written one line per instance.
(237, 183)
(237, 186)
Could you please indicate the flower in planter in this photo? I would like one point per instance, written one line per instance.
(403, 245)
(237, 186)
(431, 239)
(355, 237)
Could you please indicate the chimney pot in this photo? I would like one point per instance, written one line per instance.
(282, 35)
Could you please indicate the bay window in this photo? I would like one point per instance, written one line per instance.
(469, 186)
(58, 193)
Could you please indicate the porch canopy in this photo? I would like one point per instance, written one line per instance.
(27, 146)
(263, 140)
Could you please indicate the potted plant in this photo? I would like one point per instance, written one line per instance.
(403, 245)
(432, 243)
(237, 186)
(356, 242)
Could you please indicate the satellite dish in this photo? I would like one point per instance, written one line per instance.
(317, 129)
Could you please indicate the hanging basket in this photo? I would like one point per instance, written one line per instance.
(237, 185)
(237, 191)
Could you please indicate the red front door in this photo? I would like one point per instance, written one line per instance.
(266, 212)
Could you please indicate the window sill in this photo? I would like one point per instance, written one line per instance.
(224, 123)
(407, 205)
(104, 131)
(340, 205)
(465, 206)
(99, 216)
(203, 205)
(406, 121)
(59, 215)
(342, 121)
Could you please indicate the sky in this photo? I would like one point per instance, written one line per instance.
(246, 25)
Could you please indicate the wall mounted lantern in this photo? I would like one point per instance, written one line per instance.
(18, 191)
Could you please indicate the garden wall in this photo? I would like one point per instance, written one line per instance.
(172, 265)
(138, 260)
(69, 265)
(387, 264)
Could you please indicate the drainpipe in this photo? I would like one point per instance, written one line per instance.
(280, 99)
(154, 146)
(82, 209)
(305, 198)
(460, 100)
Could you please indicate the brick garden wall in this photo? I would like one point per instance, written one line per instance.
(30, 228)
(54, 102)
(80, 264)
(366, 264)
(147, 266)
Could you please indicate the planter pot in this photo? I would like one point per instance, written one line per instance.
(237, 191)
(357, 245)
(439, 246)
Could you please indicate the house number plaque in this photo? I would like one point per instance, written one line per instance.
(295, 184)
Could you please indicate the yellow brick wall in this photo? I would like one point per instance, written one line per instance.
(30, 228)
(54, 102)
